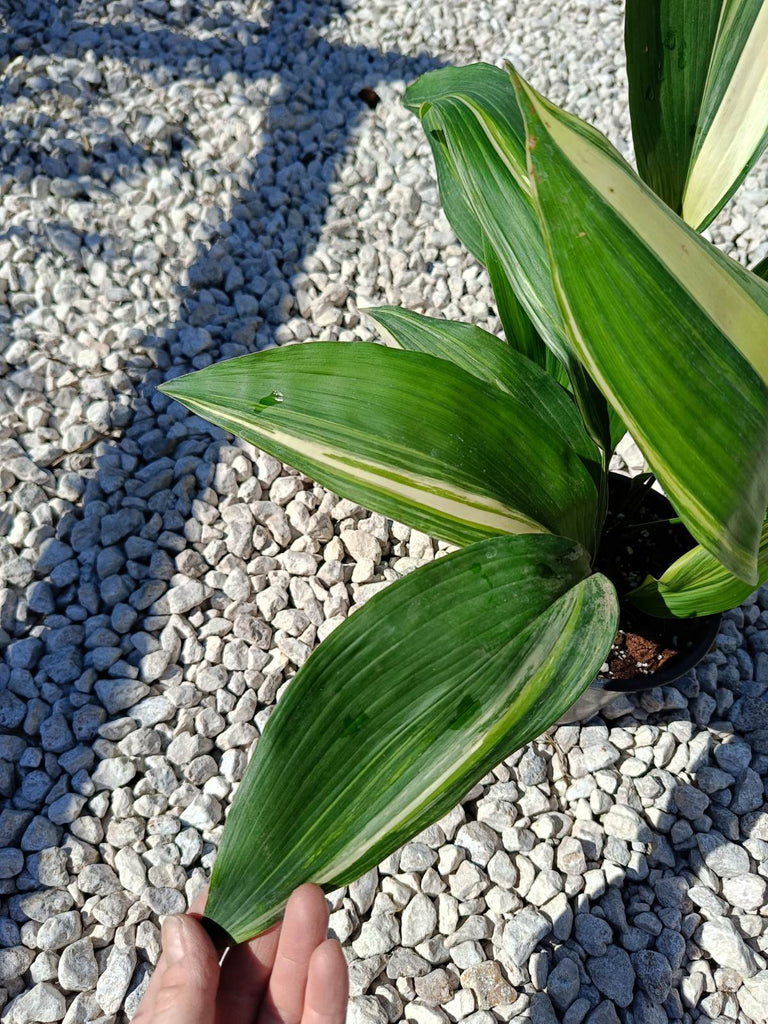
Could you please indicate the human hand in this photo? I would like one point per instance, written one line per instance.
(291, 974)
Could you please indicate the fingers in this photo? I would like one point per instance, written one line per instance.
(183, 988)
(244, 976)
(197, 906)
(304, 928)
(157, 975)
(295, 973)
(325, 1001)
(144, 1013)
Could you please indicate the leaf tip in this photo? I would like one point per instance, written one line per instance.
(171, 389)
(175, 388)
(522, 89)
(513, 73)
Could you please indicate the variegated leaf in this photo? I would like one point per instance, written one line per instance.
(698, 90)
(518, 327)
(696, 584)
(672, 331)
(669, 47)
(478, 141)
(403, 433)
(491, 360)
(402, 709)
(732, 127)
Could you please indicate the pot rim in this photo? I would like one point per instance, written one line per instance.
(680, 665)
(683, 662)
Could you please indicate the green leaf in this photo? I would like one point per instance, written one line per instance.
(761, 269)
(669, 47)
(617, 428)
(489, 359)
(698, 88)
(696, 584)
(402, 709)
(672, 331)
(478, 141)
(403, 433)
(518, 328)
(460, 214)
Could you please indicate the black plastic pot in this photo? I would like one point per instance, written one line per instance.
(603, 691)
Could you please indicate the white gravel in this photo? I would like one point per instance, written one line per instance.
(184, 182)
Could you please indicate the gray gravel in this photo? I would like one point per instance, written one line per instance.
(183, 183)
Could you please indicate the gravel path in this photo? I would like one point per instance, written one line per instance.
(183, 182)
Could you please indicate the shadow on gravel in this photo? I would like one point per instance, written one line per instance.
(85, 669)
(285, 204)
(83, 628)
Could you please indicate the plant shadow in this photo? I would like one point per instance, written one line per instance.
(62, 686)
(77, 627)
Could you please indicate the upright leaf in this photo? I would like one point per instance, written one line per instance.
(402, 709)
(673, 331)
(518, 327)
(406, 434)
(698, 90)
(696, 584)
(732, 129)
(478, 141)
(617, 428)
(457, 209)
(489, 359)
(669, 47)
(475, 129)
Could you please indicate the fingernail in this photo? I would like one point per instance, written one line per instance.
(173, 938)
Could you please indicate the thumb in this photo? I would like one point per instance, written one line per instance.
(188, 976)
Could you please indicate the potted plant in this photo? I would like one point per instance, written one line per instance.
(618, 315)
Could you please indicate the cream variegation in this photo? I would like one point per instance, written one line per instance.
(402, 709)
(697, 584)
(718, 285)
(721, 155)
(426, 495)
(692, 325)
(698, 92)
(412, 436)
(615, 312)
